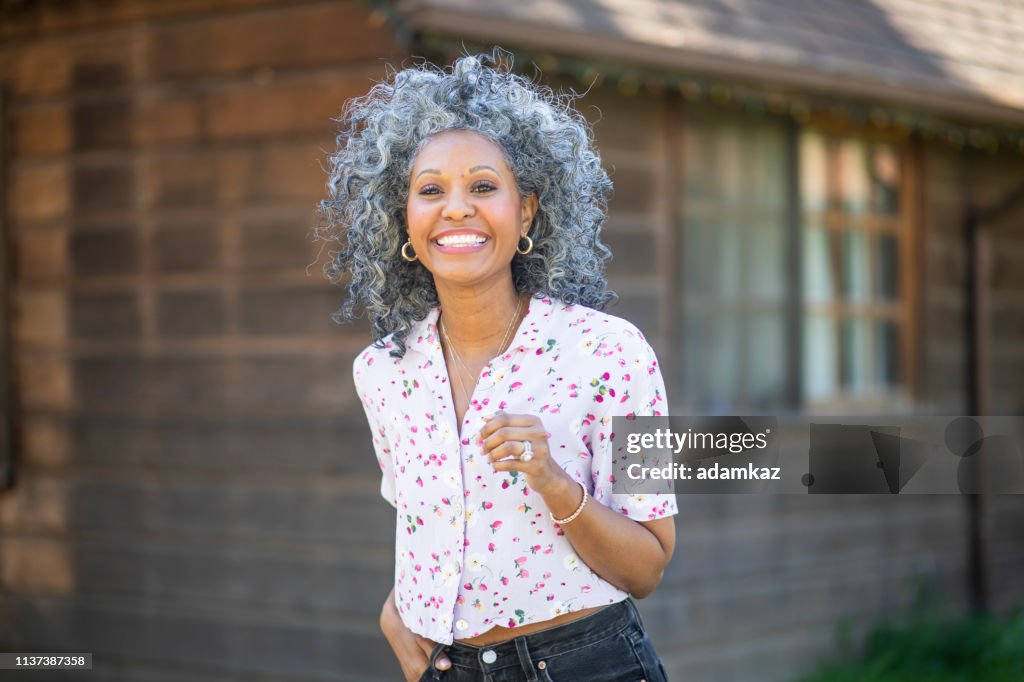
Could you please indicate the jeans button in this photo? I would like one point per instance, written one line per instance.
(489, 656)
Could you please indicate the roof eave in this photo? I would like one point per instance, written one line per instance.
(512, 33)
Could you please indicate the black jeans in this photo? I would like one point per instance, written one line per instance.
(610, 645)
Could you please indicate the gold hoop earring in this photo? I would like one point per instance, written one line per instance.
(529, 245)
(406, 256)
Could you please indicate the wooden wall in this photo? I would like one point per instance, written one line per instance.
(196, 496)
(193, 471)
(758, 585)
(994, 180)
(954, 183)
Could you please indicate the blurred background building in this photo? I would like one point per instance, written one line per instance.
(818, 209)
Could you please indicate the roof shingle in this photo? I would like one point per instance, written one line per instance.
(958, 56)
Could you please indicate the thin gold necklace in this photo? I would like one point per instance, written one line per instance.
(462, 383)
(501, 347)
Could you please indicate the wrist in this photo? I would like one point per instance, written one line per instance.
(564, 496)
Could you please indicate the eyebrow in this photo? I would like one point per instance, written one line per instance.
(474, 169)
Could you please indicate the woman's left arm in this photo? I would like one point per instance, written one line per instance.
(629, 554)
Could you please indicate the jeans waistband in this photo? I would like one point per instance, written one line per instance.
(545, 643)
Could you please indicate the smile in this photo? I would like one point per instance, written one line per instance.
(461, 241)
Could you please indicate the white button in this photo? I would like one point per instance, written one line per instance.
(488, 656)
(457, 508)
(461, 624)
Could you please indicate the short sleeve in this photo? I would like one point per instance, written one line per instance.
(381, 444)
(634, 387)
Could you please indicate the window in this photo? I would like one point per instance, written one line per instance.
(752, 213)
(733, 294)
(852, 239)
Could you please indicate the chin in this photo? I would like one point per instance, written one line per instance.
(463, 277)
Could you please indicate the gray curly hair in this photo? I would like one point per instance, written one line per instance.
(547, 145)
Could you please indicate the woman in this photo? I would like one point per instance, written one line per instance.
(469, 203)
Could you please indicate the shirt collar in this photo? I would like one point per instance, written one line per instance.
(532, 333)
(423, 336)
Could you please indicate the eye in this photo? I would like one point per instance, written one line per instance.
(429, 190)
(484, 186)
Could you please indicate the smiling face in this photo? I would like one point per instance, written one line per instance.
(464, 213)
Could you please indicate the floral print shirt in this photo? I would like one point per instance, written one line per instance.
(477, 548)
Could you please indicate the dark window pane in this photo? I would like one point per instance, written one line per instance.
(888, 352)
(856, 344)
(818, 271)
(766, 264)
(855, 265)
(820, 356)
(766, 374)
(887, 273)
(698, 271)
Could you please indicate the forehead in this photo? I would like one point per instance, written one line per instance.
(458, 150)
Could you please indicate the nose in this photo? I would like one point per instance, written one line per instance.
(458, 205)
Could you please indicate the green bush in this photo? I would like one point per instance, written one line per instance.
(932, 648)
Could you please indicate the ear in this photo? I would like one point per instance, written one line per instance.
(528, 211)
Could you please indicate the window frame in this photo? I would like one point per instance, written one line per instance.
(905, 392)
(907, 227)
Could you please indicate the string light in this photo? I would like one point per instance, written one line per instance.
(628, 86)
(691, 91)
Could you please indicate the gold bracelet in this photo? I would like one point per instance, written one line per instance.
(562, 522)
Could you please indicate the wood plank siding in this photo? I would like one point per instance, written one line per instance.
(195, 495)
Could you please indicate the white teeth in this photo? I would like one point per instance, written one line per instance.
(462, 240)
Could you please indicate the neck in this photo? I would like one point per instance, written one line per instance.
(477, 321)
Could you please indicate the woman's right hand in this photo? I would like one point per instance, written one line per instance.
(412, 650)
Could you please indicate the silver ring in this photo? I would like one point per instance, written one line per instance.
(527, 451)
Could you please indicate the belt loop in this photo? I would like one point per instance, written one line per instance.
(637, 619)
(635, 612)
(524, 659)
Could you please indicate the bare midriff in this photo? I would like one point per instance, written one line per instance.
(501, 634)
